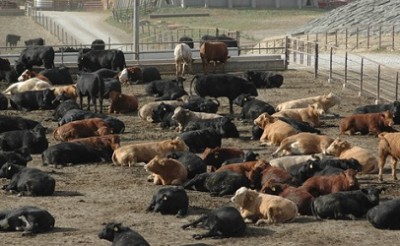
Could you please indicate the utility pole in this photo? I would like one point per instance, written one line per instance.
(136, 29)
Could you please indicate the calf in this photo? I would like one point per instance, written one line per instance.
(263, 79)
(19, 157)
(389, 145)
(10, 123)
(33, 84)
(166, 171)
(344, 150)
(58, 76)
(301, 198)
(27, 181)
(92, 86)
(194, 164)
(105, 144)
(309, 115)
(166, 89)
(184, 116)
(34, 41)
(248, 156)
(216, 156)
(374, 123)
(304, 143)
(345, 204)
(121, 235)
(393, 107)
(34, 140)
(223, 125)
(163, 114)
(71, 153)
(274, 130)
(386, 215)
(28, 219)
(143, 152)
(327, 102)
(131, 74)
(33, 100)
(213, 51)
(322, 185)
(183, 58)
(81, 129)
(263, 208)
(221, 222)
(170, 200)
(251, 107)
(223, 85)
(121, 103)
(218, 184)
(199, 140)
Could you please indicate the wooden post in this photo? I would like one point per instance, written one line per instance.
(345, 70)
(330, 65)
(361, 77)
(346, 38)
(286, 52)
(378, 85)
(380, 37)
(316, 61)
(357, 38)
(336, 38)
(326, 40)
(393, 33)
(368, 37)
(397, 85)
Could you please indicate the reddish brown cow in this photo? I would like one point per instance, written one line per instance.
(322, 185)
(213, 51)
(216, 156)
(28, 74)
(250, 169)
(107, 142)
(82, 129)
(121, 103)
(302, 198)
(269, 172)
(374, 123)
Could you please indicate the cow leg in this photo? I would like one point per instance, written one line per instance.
(195, 223)
(101, 104)
(88, 103)
(230, 106)
(177, 68)
(94, 103)
(393, 164)
(382, 160)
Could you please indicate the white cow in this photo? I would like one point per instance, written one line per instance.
(183, 57)
(33, 84)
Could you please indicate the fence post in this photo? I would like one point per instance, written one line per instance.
(316, 62)
(380, 37)
(361, 77)
(378, 85)
(295, 50)
(357, 38)
(393, 33)
(345, 70)
(286, 52)
(336, 38)
(368, 37)
(326, 40)
(330, 65)
(397, 85)
(346, 38)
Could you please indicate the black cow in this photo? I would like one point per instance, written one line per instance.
(35, 41)
(76, 114)
(3, 102)
(5, 65)
(248, 156)
(20, 157)
(229, 41)
(170, 200)
(93, 60)
(106, 73)
(222, 85)
(218, 183)
(393, 107)
(345, 204)
(150, 74)
(252, 107)
(199, 140)
(12, 40)
(33, 100)
(98, 44)
(223, 125)
(300, 125)
(111, 84)
(194, 164)
(120, 235)
(385, 215)
(116, 124)
(221, 222)
(200, 104)
(166, 89)
(187, 40)
(33, 139)
(63, 108)
(10, 123)
(58, 76)
(92, 86)
(10, 76)
(264, 79)
(35, 55)
(163, 113)
(27, 181)
(71, 153)
(28, 219)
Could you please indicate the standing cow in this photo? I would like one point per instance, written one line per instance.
(93, 60)
(213, 51)
(12, 40)
(35, 55)
(183, 58)
(92, 86)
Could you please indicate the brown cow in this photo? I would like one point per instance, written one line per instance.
(121, 103)
(82, 129)
(216, 156)
(304, 143)
(166, 171)
(389, 145)
(28, 74)
(275, 173)
(374, 123)
(68, 90)
(213, 51)
(344, 150)
(111, 142)
(326, 184)
(250, 169)
(310, 115)
(302, 198)
(275, 130)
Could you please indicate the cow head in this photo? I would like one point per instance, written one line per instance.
(8, 170)
(109, 231)
(178, 144)
(240, 196)
(337, 146)
(317, 108)
(263, 120)
(48, 98)
(387, 118)
(350, 175)
(242, 99)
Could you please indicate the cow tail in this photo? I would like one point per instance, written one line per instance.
(114, 158)
(191, 82)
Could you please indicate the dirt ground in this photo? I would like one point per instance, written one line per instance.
(88, 195)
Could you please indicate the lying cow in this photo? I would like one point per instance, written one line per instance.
(63, 108)
(386, 215)
(373, 123)
(34, 140)
(389, 145)
(393, 107)
(58, 76)
(28, 219)
(345, 204)
(263, 208)
(223, 125)
(252, 107)
(293, 163)
(20, 157)
(166, 171)
(10, 123)
(194, 164)
(199, 140)
(216, 156)
(264, 79)
(221, 222)
(184, 116)
(27, 181)
(33, 100)
(131, 154)
(327, 102)
(170, 200)
(121, 235)
(146, 111)
(200, 104)
(310, 114)
(121, 103)
(104, 144)
(82, 129)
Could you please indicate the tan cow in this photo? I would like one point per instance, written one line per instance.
(183, 116)
(327, 102)
(389, 145)
(68, 90)
(263, 208)
(303, 143)
(310, 115)
(344, 150)
(275, 130)
(166, 171)
(33, 84)
(129, 155)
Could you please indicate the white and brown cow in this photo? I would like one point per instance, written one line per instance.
(183, 58)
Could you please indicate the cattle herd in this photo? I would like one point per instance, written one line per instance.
(308, 173)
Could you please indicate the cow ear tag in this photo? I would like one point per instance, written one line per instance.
(311, 166)
(9, 168)
(165, 109)
(245, 99)
(165, 198)
(116, 229)
(273, 188)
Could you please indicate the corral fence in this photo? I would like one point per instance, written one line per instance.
(357, 72)
(65, 5)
